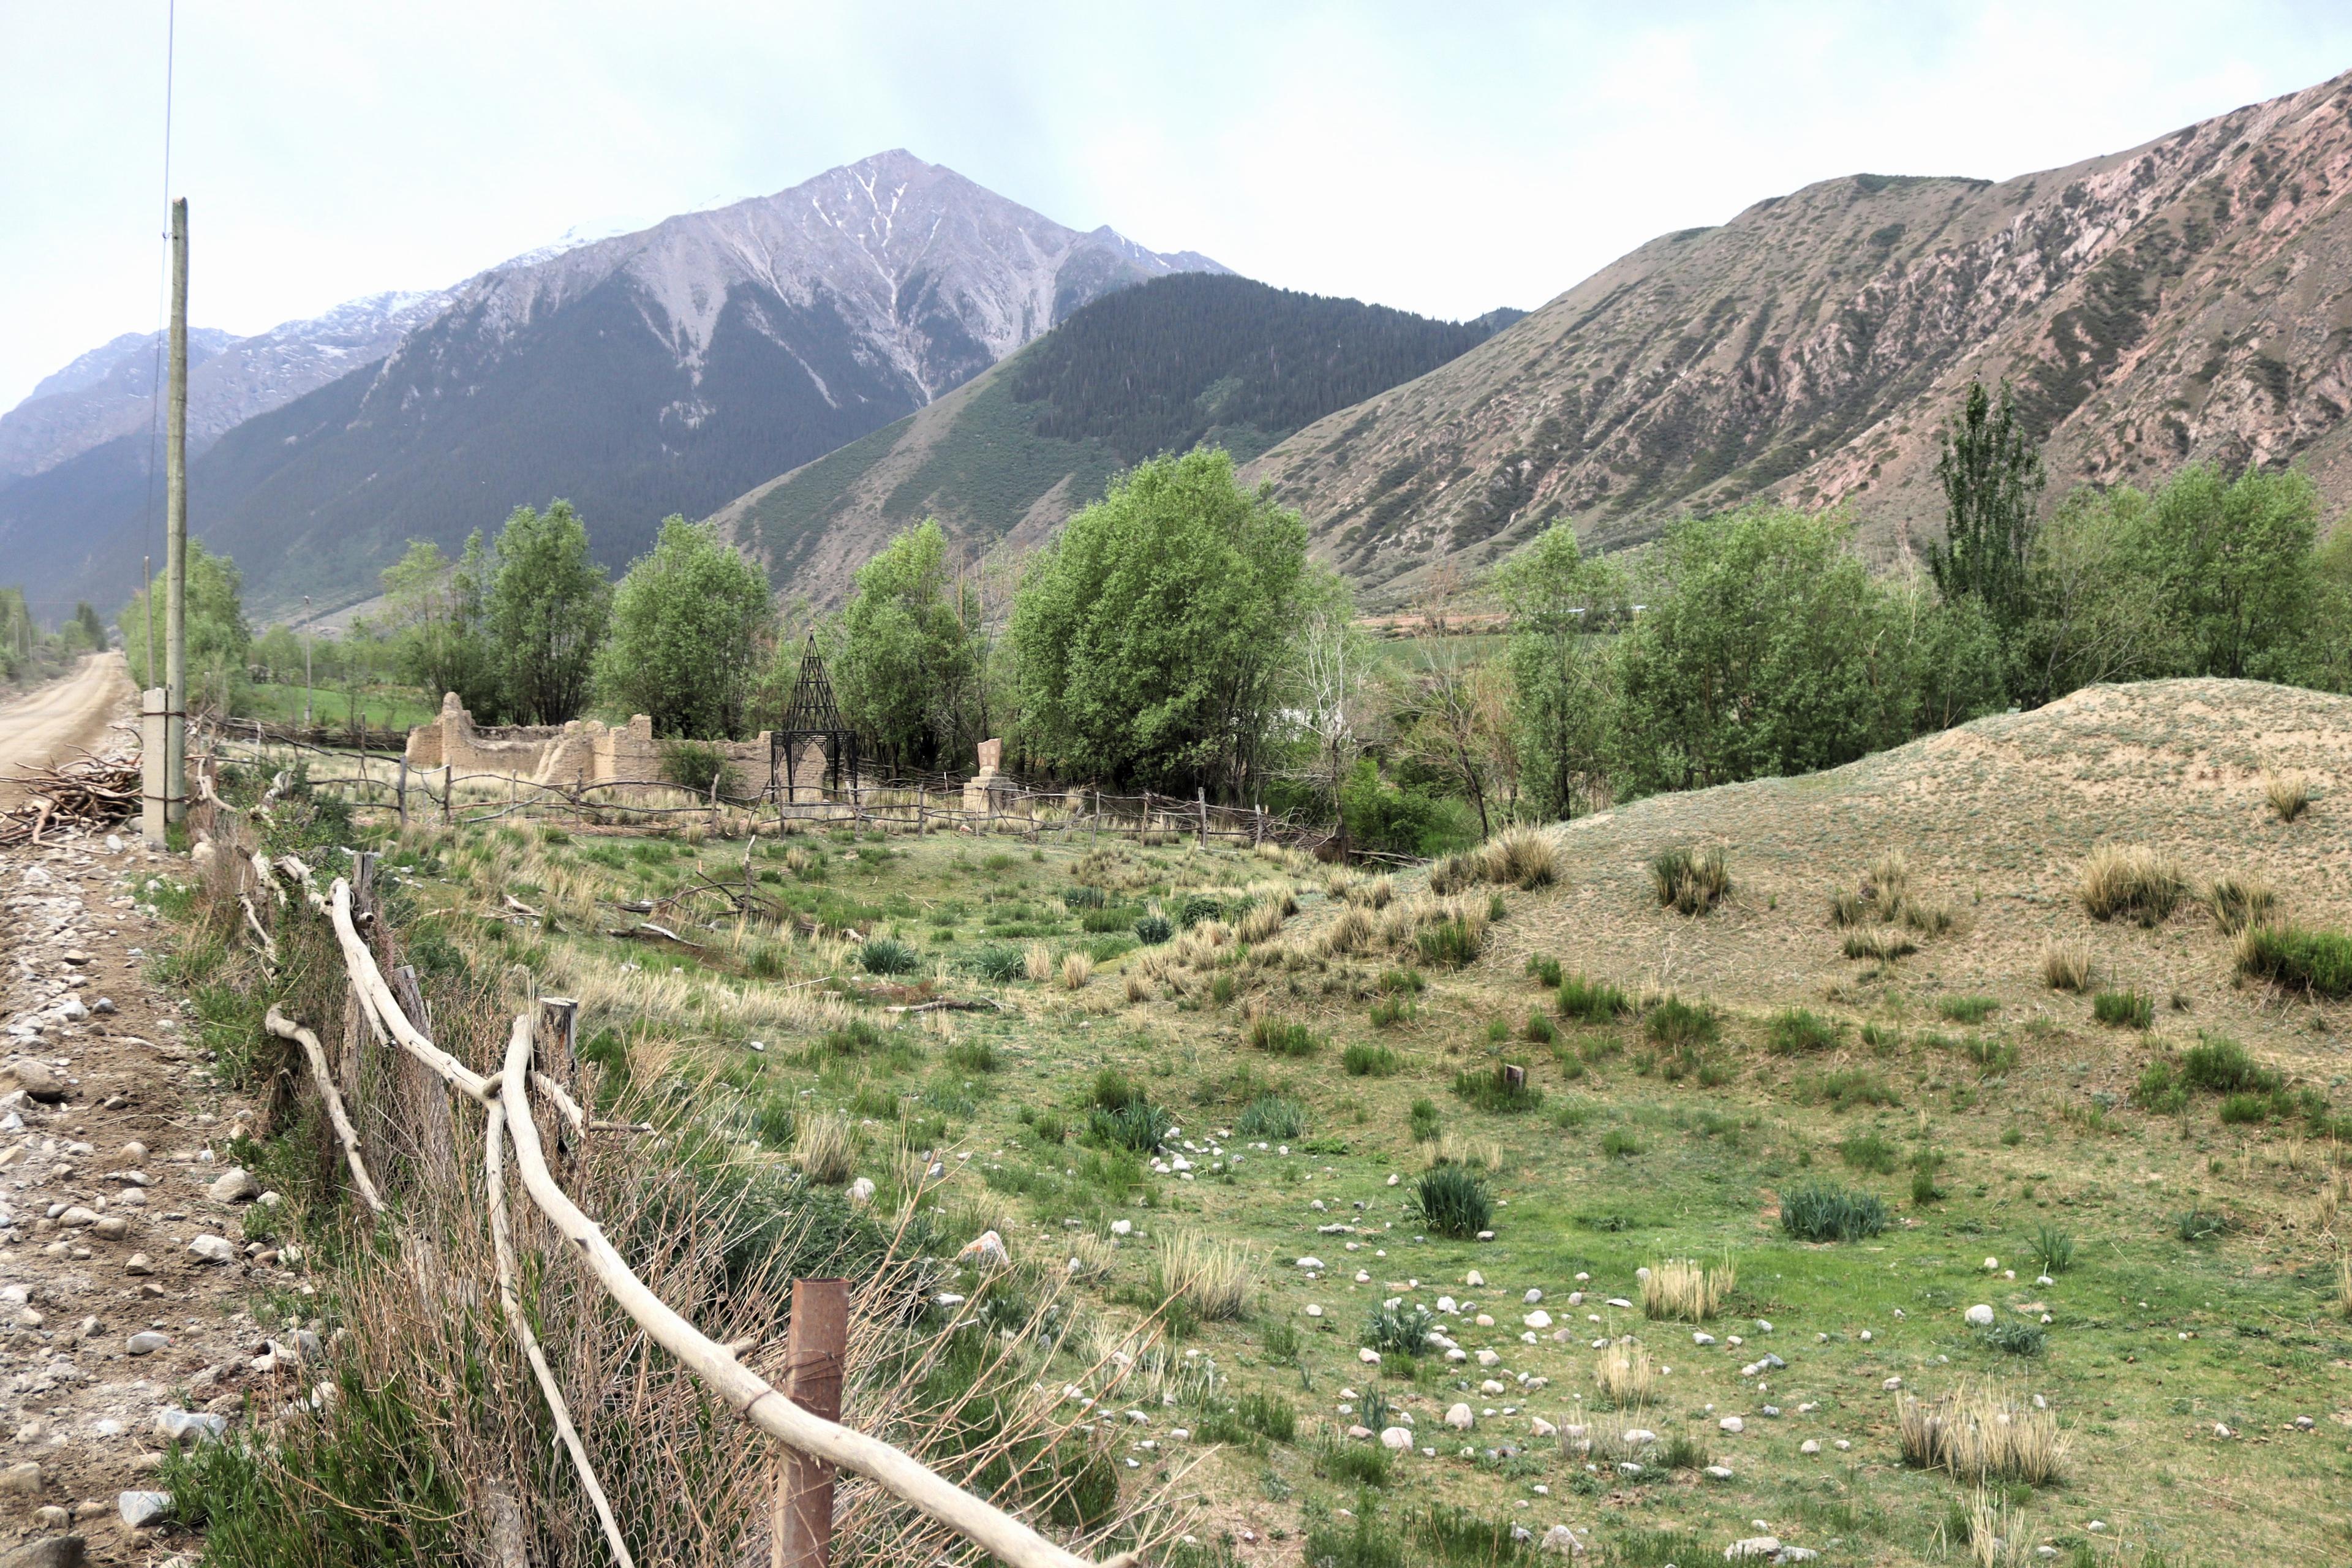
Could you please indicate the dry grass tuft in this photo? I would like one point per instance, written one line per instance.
(1451, 1149)
(1211, 1277)
(2238, 902)
(1889, 883)
(2131, 879)
(1625, 1375)
(1687, 1291)
(826, 1148)
(1369, 892)
(1077, 970)
(1527, 857)
(1037, 962)
(1350, 931)
(1978, 1433)
(2067, 967)
(1259, 921)
(1929, 918)
(2289, 795)
(1883, 945)
(1138, 988)
(1690, 882)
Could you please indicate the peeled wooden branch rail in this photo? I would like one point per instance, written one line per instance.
(286, 1029)
(751, 1397)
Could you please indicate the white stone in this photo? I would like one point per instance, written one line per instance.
(1538, 1318)
(985, 1250)
(1396, 1438)
(1732, 1424)
(214, 1249)
(1313, 1309)
(147, 1342)
(1474, 1279)
(1122, 1227)
(140, 1510)
(1980, 1316)
(1720, 1472)
(1369, 1356)
(1459, 1417)
(1543, 1428)
(1752, 1548)
(234, 1185)
(1809, 1445)
(861, 1191)
(1532, 1297)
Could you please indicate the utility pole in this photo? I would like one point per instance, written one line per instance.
(306, 661)
(147, 598)
(175, 534)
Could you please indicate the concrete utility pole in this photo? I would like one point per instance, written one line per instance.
(306, 661)
(175, 535)
(147, 598)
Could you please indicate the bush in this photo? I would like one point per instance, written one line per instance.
(2017, 1338)
(1210, 1277)
(1450, 944)
(1967, 1009)
(1674, 1024)
(998, 962)
(1524, 857)
(2123, 1009)
(1404, 1329)
(2119, 880)
(1592, 1001)
(1272, 1116)
(1082, 897)
(2158, 1092)
(1402, 983)
(1453, 1201)
(1539, 1029)
(1821, 1213)
(1881, 944)
(1354, 1464)
(2220, 1066)
(1138, 1125)
(1283, 1039)
(2298, 959)
(2238, 902)
(1423, 1119)
(1617, 1143)
(1544, 970)
(1365, 1061)
(1794, 1030)
(1690, 882)
(2289, 795)
(888, 955)
(1869, 1152)
(1153, 930)
(692, 764)
(1103, 921)
(1490, 1089)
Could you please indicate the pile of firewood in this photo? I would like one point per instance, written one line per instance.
(92, 793)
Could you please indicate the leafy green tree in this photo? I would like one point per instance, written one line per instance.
(910, 652)
(85, 630)
(545, 614)
(1992, 479)
(1766, 646)
(2232, 566)
(435, 611)
(685, 629)
(218, 634)
(1151, 635)
(1562, 686)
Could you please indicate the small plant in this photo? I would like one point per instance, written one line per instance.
(1544, 970)
(2066, 966)
(888, 955)
(1271, 1116)
(1821, 1213)
(1592, 1001)
(1625, 1375)
(1037, 962)
(1929, 918)
(1967, 1009)
(1881, 945)
(1527, 857)
(1979, 1434)
(2120, 880)
(1453, 1202)
(2017, 1338)
(1078, 968)
(1869, 1152)
(2123, 1009)
(1402, 983)
(2289, 795)
(1450, 944)
(826, 1148)
(972, 1057)
(1210, 1277)
(1618, 1142)
(1674, 1024)
(1082, 897)
(1795, 1030)
(2203, 1225)
(1152, 930)
(1539, 1030)
(2219, 1065)
(2238, 901)
(1363, 1059)
(2051, 1249)
(1283, 1039)
(1688, 1291)
(1690, 882)
(2297, 958)
(1496, 1088)
(1389, 1011)
(1847, 910)
(998, 962)
(1924, 1189)
(1399, 1329)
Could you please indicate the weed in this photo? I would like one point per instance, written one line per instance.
(2289, 795)
(1208, 1276)
(1526, 857)
(1422, 1118)
(2123, 1009)
(997, 962)
(1690, 882)
(972, 1057)
(888, 955)
(1688, 1291)
(1453, 1201)
(826, 1149)
(1675, 1023)
(1625, 1375)
(1494, 1089)
(1618, 1141)
(2297, 958)
(2119, 880)
(1846, 910)
(1402, 983)
(1869, 1152)
(1929, 918)
(1391, 1010)
(1450, 944)
(1794, 1030)
(1967, 1009)
(2051, 1249)
(2203, 1225)
(1539, 1029)
(1138, 1125)
(1979, 1434)
(1544, 970)
(1848, 1087)
(1271, 1116)
(1283, 1039)
(1399, 1329)
(1592, 1001)
(1364, 1059)
(2220, 1066)
(1821, 1213)
(1152, 930)
(2066, 966)
(2017, 1338)
(2239, 902)
(1880, 946)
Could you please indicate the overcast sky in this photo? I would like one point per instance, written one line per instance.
(1446, 158)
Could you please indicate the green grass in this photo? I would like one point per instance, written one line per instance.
(1821, 1213)
(2123, 1009)
(2298, 958)
(1364, 1059)
(1453, 1202)
(1796, 1030)
(1592, 1001)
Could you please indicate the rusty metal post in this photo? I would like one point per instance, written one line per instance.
(801, 1523)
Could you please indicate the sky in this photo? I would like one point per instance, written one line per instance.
(1442, 158)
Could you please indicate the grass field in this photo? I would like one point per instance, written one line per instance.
(2156, 1255)
(380, 707)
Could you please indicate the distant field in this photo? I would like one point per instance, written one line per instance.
(381, 707)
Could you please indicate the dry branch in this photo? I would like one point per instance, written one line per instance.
(286, 1029)
(88, 792)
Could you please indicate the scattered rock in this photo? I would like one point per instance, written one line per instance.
(1397, 1439)
(1732, 1424)
(38, 1081)
(861, 1191)
(139, 1263)
(1720, 1472)
(21, 1480)
(1561, 1540)
(77, 1217)
(234, 1185)
(1460, 1419)
(140, 1510)
(49, 1551)
(1980, 1316)
(189, 1426)
(147, 1342)
(1543, 1428)
(1754, 1548)
(214, 1249)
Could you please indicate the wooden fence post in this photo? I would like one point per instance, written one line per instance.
(1258, 827)
(1200, 798)
(801, 1521)
(448, 791)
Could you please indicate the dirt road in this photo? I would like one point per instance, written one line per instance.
(45, 725)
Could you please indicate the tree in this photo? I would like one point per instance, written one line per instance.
(1992, 479)
(1560, 688)
(1331, 686)
(1766, 648)
(1151, 634)
(2232, 563)
(217, 636)
(545, 614)
(85, 630)
(686, 628)
(435, 611)
(909, 662)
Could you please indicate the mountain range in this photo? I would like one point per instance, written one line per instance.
(2188, 299)
(662, 371)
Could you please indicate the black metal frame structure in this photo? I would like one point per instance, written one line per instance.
(812, 715)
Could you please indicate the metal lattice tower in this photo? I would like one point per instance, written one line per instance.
(814, 717)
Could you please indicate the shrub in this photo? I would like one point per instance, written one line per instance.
(1924, 1189)
(1821, 1213)
(1592, 1001)
(1690, 882)
(2131, 879)
(1681, 1288)
(2123, 1009)
(997, 962)
(1081, 897)
(2238, 902)
(1846, 910)
(1283, 1039)
(1101, 923)
(1402, 1329)
(1544, 970)
(1362, 1059)
(692, 765)
(1879, 945)
(2158, 1092)
(1453, 1201)
(1929, 918)
(1037, 962)
(1869, 1152)
(1889, 879)
(972, 1057)
(2051, 1249)
(1267, 1415)
(888, 955)
(1617, 1141)
(1391, 1010)
(1490, 1089)
(1274, 1116)
(1674, 1024)
(1967, 1009)
(1153, 930)
(1402, 983)
(1978, 1436)
(1451, 873)
(2220, 1066)
(1423, 1119)
(2066, 966)
(1210, 1277)
(1450, 944)
(2017, 1338)
(1539, 1029)
(2203, 1225)
(1137, 1124)
(1199, 907)
(826, 1148)
(2289, 795)
(1526, 857)
(1625, 1375)
(1794, 1030)
(2298, 959)
(1848, 1087)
